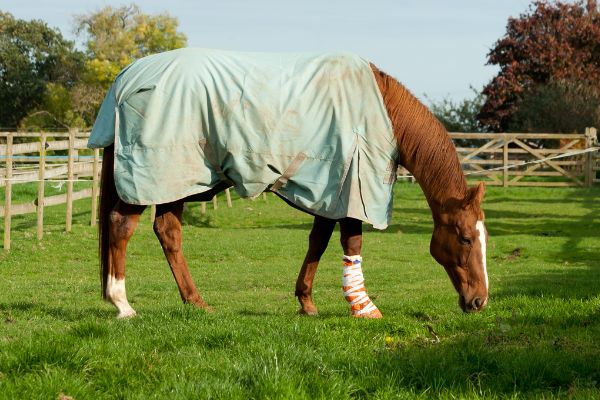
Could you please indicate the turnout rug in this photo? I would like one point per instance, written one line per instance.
(312, 128)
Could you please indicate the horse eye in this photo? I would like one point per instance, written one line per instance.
(465, 240)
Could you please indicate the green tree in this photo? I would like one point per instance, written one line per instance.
(117, 36)
(559, 106)
(36, 64)
(554, 41)
(460, 116)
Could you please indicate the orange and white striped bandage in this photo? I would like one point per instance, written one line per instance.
(353, 284)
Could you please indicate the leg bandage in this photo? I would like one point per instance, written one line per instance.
(353, 284)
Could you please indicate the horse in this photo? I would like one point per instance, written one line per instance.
(424, 148)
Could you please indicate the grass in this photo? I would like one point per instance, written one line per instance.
(538, 338)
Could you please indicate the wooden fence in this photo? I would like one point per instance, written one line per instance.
(21, 166)
(505, 159)
(528, 159)
(595, 160)
(27, 158)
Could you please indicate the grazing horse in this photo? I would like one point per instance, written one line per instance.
(417, 140)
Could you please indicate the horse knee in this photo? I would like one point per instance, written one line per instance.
(168, 233)
(122, 227)
(158, 226)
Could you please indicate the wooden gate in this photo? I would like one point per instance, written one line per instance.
(529, 159)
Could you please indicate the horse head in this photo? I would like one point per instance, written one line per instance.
(459, 244)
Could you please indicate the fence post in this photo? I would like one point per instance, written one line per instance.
(590, 141)
(8, 190)
(95, 177)
(228, 196)
(70, 177)
(595, 142)
(202, 207)
(41, 187)
(505, 161)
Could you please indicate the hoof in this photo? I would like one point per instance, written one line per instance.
(199, 303)
(307, 307)
(375, 314)
(312, 312)
(125, 314)
(203, 307)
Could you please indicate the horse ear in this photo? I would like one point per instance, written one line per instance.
(474, 195)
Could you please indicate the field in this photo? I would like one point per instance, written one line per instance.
(538, 338)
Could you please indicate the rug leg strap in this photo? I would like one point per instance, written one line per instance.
(289, 172)
(212, 160)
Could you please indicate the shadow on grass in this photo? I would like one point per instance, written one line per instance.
(28, 221)
(491, 362)
(59, 313)
(591, 220)
(579, 276)
(573, 283)
(194, 218)
(416, 227)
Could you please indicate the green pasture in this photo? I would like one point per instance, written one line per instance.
(538, 338)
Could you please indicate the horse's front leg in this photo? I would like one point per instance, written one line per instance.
(122, 223)
(353, 282)
(167, 226)
(317, 244)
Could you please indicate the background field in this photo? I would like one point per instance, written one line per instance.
(539, 336)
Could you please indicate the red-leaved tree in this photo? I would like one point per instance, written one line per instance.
(553, 42)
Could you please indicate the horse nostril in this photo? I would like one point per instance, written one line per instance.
(476, 303)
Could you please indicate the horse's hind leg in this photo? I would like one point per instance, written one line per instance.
(123, 221)
(167, 226)
(317, 244)
(353, 282)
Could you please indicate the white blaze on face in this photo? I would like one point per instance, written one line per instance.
(481, 229)
(115, 291)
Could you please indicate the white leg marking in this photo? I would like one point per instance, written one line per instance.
(481, 228)
(115, 291)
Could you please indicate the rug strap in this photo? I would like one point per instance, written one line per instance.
(212, 160)
(289, 172)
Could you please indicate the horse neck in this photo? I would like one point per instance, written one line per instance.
(424, 146)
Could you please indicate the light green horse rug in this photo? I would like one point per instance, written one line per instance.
(311, 128)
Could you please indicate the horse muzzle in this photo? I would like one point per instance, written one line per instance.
(473, 305)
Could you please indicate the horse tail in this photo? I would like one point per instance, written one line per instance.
(108, 200)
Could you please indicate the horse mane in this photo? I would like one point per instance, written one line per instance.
(424, 145)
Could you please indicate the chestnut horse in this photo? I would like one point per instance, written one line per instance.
(459, 236)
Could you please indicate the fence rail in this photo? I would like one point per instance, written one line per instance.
(503, 159)
(528, 159)
(25, 159)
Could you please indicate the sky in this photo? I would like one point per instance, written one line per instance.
(438, 49)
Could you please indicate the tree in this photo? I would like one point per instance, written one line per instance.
(118, 36)
(558, 106)
(460, 116)
(555, 41)
(115, 37)
(33, 58)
